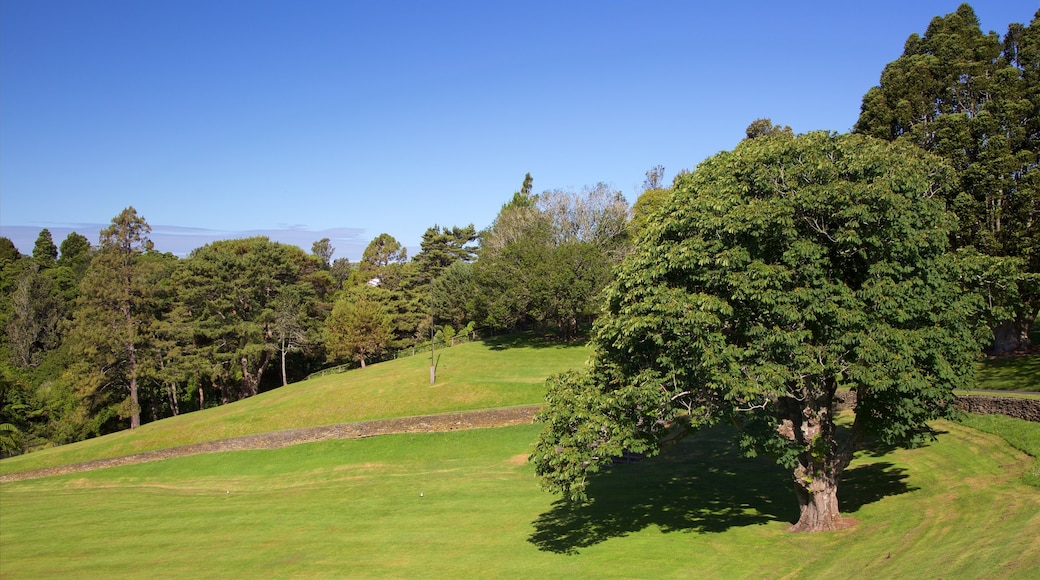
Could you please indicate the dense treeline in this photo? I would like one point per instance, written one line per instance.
(102, 337)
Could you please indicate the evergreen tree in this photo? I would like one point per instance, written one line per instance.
(44, 251)
(109, 326)
(975, 101)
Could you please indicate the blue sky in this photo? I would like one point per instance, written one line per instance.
(344, 119)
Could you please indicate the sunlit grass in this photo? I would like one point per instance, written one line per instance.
(491, 374)
(465, 504)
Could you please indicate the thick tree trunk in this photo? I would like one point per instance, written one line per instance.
(808, 422)
(1009, 337)
(818, 505)
(251, 380)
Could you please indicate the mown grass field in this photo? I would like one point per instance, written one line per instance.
(479, 375)
(465, 504)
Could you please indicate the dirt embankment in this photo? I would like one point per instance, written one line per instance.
(422, 424)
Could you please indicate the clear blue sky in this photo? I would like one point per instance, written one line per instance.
(303, 119)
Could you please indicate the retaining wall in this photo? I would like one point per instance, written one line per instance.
(1028, 409)
(1019, 408)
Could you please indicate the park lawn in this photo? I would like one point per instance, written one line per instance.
(1018, 373)
(490, 374)
(466, 504)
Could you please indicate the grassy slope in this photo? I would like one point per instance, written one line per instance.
(498, 373)
(956, 508)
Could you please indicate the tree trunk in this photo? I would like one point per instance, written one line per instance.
(1010, 336)
(135, 407)
(284, 380)
(818, 505)
(808, 422)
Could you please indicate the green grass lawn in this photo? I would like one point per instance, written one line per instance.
(957, 508)
(1020, 373)
(496, 373)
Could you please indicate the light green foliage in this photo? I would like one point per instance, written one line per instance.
(786, 269)
(359, 328)
(323, 250)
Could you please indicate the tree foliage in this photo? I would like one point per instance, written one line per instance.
(112, 314)
(442, 247)
(358, 328)
(974, 100)
(546, 257)
(785, 271)
(239, 303)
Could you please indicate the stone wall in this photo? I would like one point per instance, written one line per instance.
(1028, 409)
(1019, 408)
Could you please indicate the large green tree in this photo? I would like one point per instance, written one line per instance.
(239, 302)
(359, 328)
(114, 308)
(546, 257)
(780, 274)
(974, 99)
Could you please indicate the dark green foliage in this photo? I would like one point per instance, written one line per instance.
(784, 270)
(442, 247)
(765, 128)
(973, 99)
(111, 321)
(544, 263)
(44, 251)
(454, 294)
(231, 297)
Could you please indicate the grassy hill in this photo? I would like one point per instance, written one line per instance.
(495, 373)
(466, 503)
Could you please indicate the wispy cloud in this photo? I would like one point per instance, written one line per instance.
(179, 240)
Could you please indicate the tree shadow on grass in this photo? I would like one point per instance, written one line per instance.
(871, 482)
(528, 340)
(702, 485)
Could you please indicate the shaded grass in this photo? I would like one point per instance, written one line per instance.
(956, 508)
(499, 373)
(1019, 373)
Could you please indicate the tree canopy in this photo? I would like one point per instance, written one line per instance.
(973, 99)
(779, 274)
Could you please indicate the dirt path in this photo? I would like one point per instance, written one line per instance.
(421, 424)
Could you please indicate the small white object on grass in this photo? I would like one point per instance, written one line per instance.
(420, 494)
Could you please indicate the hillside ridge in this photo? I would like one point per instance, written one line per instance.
(454, 421)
